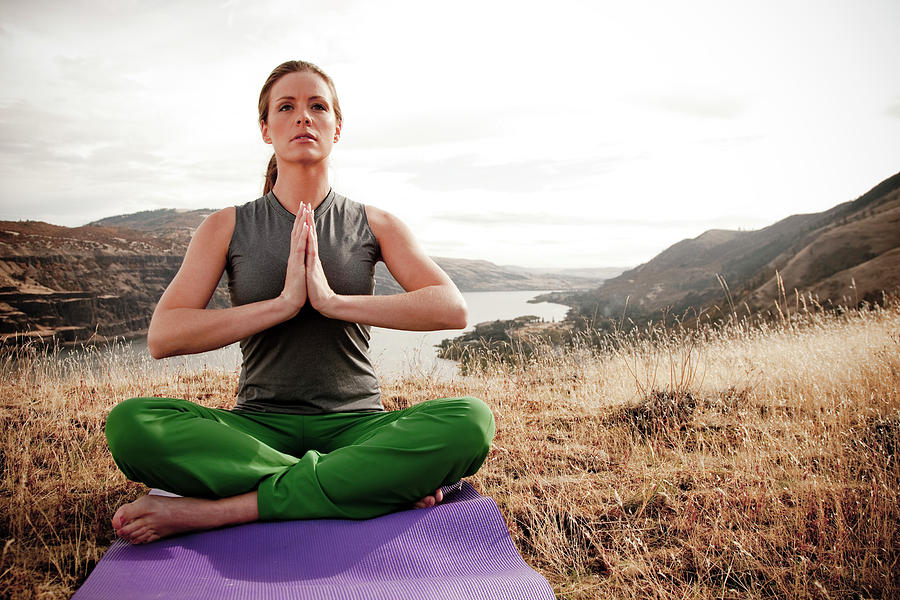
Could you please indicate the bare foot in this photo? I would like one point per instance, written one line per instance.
(150, 518)
(429, 501)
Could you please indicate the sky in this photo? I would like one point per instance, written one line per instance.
(563, 134)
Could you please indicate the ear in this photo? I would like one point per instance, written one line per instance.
(264, 130)
(337, 132)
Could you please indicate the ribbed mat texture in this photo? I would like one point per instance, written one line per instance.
(459, 549)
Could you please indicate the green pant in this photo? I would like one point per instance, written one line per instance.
(344, 465)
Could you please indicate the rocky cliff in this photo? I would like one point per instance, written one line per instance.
(67, 284)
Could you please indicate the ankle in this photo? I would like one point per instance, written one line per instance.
(236, 510)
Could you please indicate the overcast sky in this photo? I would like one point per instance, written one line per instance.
(565, 133)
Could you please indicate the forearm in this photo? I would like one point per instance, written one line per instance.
(175, 331)
(430, 308)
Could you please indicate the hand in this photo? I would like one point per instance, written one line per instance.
(294, 292)
(317, 288)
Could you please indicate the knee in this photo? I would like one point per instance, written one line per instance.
(130, 429)
(473, 428)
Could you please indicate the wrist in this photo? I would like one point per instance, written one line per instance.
(330, 306)
(286, 307)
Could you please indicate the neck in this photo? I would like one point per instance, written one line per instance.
(299, 183)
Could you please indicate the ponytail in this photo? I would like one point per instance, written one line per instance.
(271, 175)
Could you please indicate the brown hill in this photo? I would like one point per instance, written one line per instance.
(848, 253)
(167, 223)
(484, 276)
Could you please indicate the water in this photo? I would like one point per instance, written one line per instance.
(397, 353)
(412, 352)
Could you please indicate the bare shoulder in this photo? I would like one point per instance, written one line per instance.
(402, 254)
(385, 225)
(216, 230)
(222, 216)
(219, 223)
(380, 219)
(206, 254)
(203, 264)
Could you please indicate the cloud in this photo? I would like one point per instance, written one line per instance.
(533, 219)
(43, 135)
(731, 141)
(696, 106)
(491, 219)
(378, 131)
(95, 76)
(469, 172)
(77, 165)
(893, 110)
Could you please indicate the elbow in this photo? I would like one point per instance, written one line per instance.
(457, 316)
(157, 345)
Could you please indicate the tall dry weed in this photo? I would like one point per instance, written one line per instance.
(59, 485)
(730, 462)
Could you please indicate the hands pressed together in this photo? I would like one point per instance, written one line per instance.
(305, 278)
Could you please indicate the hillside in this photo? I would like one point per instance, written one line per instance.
(166, 223)
(104, 279)
(843, 255)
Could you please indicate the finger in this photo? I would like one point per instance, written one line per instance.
(312, 246)
(438, 495)
(310, 220)
(296, 232)
(303, 242)
(298, 221)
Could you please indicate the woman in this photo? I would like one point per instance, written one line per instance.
(308, 437)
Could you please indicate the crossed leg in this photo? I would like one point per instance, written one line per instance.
(221, 484)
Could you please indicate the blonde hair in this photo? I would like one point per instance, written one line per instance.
(291, 66)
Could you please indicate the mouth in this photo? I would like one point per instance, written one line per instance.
(303, 137)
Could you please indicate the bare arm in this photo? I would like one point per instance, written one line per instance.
(182, 324)
(431, 301)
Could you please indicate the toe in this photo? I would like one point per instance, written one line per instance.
(131, 529)
(145, 537)
(120, 518)
(425, 502)
(131, 536)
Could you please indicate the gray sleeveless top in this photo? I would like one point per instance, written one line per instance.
(309, 364)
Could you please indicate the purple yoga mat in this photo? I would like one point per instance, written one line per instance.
(459, 549)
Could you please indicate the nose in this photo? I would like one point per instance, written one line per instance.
(303, 118)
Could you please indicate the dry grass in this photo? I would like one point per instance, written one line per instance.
(730, 463)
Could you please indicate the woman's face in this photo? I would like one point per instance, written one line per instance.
(301, 124)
